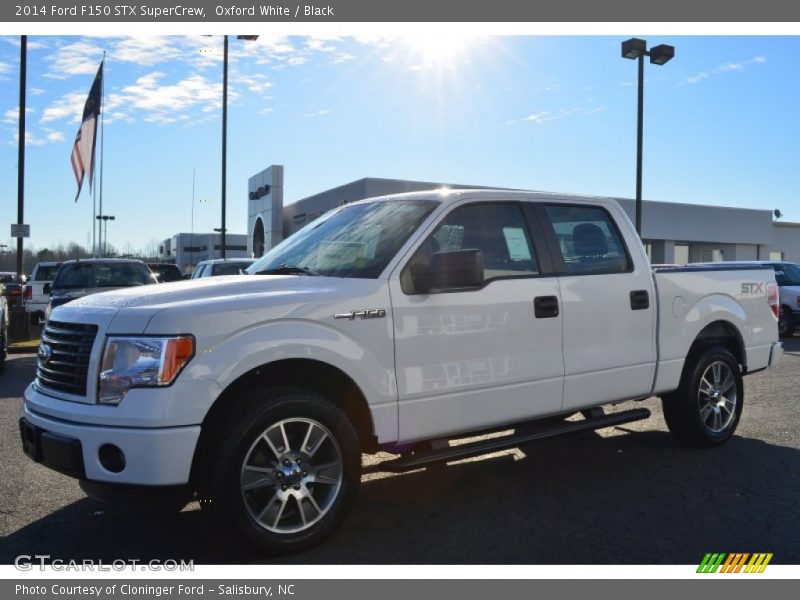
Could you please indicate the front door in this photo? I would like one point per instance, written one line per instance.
(476, 358)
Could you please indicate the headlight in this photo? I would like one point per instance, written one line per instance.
(130, 362)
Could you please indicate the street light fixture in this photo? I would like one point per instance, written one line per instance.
(105, 219)
(636, 49)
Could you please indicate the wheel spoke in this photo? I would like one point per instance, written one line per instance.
(286, 446)
(320, 477)
(280, 512)
(706, 410)
(716, 372)
(727, 383)
(717, 422)
(264, 477)
(272, 447)
(308, 501)
(705, 386)
(311, 450)
(724, 406)
(276, 504)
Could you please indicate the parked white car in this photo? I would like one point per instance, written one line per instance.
(394, 324)
(36, 291)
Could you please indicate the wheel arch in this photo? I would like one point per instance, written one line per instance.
(306, 373)
(720, 333)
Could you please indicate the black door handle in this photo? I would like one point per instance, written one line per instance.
(545, 307)
(640, 300)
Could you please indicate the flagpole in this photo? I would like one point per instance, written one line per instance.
(94, 222)
(102, 138)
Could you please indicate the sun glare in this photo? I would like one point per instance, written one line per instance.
(436, 50)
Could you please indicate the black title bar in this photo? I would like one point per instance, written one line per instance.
(495, 11)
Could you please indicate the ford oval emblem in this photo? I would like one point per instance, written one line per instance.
(44, 353)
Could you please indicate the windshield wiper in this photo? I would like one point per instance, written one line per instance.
(288, 270)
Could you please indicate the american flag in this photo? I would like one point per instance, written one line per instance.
(83, 151)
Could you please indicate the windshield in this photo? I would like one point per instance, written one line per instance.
(92, 275)
(787, 274)
(352, 241)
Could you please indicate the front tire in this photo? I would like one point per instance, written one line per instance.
(705, 409)
(284, 469)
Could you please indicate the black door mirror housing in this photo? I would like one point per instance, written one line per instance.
(450, 271)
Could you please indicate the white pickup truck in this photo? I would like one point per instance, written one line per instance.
(395, 324)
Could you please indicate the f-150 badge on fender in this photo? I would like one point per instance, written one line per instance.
(364, 313)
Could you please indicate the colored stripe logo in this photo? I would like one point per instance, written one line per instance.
(736, 562)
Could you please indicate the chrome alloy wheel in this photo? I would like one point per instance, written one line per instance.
(717, 396)
(291, 475)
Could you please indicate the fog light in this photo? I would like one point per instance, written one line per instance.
(111, 458)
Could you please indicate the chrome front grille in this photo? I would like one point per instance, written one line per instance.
(64, 356)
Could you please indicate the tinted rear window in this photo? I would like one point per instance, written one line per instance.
(99, 275)
(229, 268)
(47, 273)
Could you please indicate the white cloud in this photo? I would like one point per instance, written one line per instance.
(546, 115)
(730, 67)
(317, 113)
(12, 114)
(4, 68)
(147, 50)
(165, 103)
(256, 83)
(342, 57)
(34, 91)
(78, 58)
(68, 106)
(54, 136)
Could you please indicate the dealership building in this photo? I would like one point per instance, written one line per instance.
(673, 232)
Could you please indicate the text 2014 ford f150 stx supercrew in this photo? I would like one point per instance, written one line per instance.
(393, 323)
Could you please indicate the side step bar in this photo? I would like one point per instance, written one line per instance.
(423, 459)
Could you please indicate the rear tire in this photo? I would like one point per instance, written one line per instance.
(786, 324)
(705, 409)
(282, 470)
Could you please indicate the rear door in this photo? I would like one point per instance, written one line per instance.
(608, 305)
(471, 359)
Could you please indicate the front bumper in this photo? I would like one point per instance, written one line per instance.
(153, 456)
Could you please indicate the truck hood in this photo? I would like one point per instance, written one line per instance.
(186, 306)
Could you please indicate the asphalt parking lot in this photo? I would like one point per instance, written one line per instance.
(627, 495)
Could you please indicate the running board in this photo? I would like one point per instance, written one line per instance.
(450, 453)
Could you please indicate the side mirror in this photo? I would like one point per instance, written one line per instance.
(47, 288)
(449, 271)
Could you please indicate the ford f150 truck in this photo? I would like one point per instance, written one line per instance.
(395, 324)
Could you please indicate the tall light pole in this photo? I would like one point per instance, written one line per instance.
(23, 70)
(223, 229)
(104, 235)
(636, 49)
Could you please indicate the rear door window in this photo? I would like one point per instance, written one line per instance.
(588, 240)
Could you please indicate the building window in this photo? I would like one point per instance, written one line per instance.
(681, 254)
(711, 255)
(776, 255)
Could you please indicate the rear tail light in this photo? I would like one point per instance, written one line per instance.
(27, 292)
(772, 297)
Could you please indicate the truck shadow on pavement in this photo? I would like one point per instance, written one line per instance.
(616, 498)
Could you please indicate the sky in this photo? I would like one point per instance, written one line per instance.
(553, 113)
